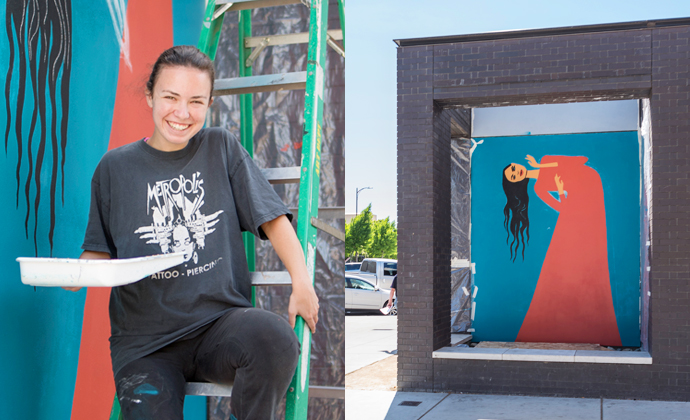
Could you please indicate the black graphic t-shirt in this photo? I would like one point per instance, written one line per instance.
(196, 200)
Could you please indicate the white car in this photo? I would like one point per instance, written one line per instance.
(378, 271)
(362, 295)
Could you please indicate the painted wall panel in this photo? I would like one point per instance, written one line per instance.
(73, 69)
(506, 288)
(43, 326)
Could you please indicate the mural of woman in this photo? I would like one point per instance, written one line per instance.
(572, 302)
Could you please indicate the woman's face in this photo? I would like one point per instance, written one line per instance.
(515, 172)
(179, 101)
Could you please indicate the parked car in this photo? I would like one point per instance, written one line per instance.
(362, 295)
(378, 271)
(352, 266)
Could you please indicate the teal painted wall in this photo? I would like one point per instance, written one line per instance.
(41, 328)
(505, 288)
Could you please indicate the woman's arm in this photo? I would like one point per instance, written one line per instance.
(543, 192)
(89, 255)
(303, 300)
(390, 297)
(533, 163)
(559, 185)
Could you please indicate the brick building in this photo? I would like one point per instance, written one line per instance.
(440, 80)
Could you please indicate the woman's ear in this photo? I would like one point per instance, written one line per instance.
(210, 102)
(149, 98)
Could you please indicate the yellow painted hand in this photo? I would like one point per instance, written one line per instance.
(559, 184)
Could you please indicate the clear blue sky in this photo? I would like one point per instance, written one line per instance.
(370, 70)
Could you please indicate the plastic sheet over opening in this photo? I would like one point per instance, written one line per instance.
(461, 278)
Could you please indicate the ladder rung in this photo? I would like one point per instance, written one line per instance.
(321, 225)
(255, 4)
(301, 38)
(289, 175)
(326, 213)
(207, 389)
(335, 392)
(261, 83)
(270, 278)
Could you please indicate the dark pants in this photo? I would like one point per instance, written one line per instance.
(254, 348)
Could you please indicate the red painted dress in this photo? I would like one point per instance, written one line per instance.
(572, 302)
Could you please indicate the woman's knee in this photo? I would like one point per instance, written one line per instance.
(270, 341)
(149, 391)
(272, 331)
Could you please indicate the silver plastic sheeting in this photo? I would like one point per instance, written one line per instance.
(461, 303)
(461, 279)
(645, 131)
(278, 125)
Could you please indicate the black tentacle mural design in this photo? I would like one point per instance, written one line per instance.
(40, 33)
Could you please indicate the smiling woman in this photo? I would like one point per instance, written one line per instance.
(193, 190)
(179, 93)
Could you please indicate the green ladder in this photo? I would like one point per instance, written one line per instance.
(312, 80)
(308, 175)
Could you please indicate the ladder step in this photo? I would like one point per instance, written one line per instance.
(301, 38)
(325, 213)
(270, 278)
(335, 392)
(215, 390)
(261, 83)
(207, 389)
(255, 4)
(321, 225)
(289, 175)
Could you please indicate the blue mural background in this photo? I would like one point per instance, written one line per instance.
(505, 288)
(41, 328)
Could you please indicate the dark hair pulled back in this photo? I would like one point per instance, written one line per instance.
(184, 56)
(517, 203)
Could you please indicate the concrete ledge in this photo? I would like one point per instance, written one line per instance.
(539, 355)
(623, 357)
(469, 353)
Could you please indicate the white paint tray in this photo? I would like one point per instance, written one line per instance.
(69, 272)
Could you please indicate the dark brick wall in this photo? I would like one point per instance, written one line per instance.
(625, 64)
(416, 162)
(460, 122)
(564, 68)
(669, 279)
(441, 244)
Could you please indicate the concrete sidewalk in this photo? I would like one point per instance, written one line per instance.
(370, 339)
(390, 405)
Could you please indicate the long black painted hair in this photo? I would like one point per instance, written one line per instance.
(44, 30)
(516, 220)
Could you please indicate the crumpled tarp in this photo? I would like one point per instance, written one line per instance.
(461, 278)
(278, 124)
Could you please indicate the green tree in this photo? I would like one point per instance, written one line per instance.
(358, 233)
(384, 241)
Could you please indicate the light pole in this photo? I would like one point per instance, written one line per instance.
(357, 198)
